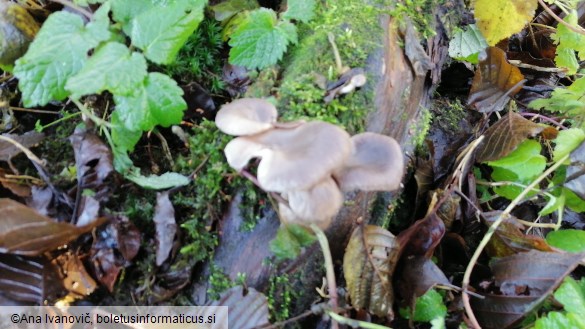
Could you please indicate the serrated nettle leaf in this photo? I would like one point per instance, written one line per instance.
(568, 42)
(259, 41)
(158, 102)
(113, 68)
(568, 101)
(567, 141)
(300, 10)
(467, 44)
(290, 31)
(161, 31)
(228, 9)
(58, 52)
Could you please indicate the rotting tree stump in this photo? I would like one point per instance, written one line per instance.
(402, 75)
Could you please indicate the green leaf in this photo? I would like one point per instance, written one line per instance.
(300, 10)
(112, 67)
(429, 306)
(123, 138)
(260, 41)
(556, 320)
(567, 43)
(466, 44)
(572, 295)
(58, 52)
(525, 162)
(125, 10)
(567, 141)
(568, 101)
(569, 240)
(228, 9)
(158, 102)
(289, 240)
(161, 31)
(573, 201)
(154, 182)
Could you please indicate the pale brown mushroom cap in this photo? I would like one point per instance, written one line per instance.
(376, 165)
(240, 150)
(317, 205)
(302, 156)
(246, 116)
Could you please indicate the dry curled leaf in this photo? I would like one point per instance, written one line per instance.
(9, 150)
(509, 238)
(421, 274)
(494, 82)
(505, 135)
(368, 265)
(524, 281)
(24, 231)
(247, 308)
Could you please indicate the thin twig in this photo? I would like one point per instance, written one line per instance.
(287, 321)
(330, 272)
(560, 20)
(519, 63)
(354, 323)
(490, 233)
(20, 109)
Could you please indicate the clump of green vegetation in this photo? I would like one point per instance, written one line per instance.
(280, 297)
(420, 12)
(200, 58)
(215, 185)
(218, 282)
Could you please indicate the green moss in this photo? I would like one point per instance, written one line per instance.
(200, 58)
(420, 14)
(298, 95)
(422, 126)
(280, 297)
(218, 282)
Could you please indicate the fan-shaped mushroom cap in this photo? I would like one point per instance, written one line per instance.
(317, 205)
(246, 116)
(302, 156)
(240, 150)
(376, 165)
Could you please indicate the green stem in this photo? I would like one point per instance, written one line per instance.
(67, 117)
(97, 120)
(355, 323)
(330, 272)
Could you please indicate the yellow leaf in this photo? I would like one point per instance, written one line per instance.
(499, 19)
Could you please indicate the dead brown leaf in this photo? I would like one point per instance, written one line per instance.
(24, 231)
(575, 178)
(524, 281)
(29, 139)
(509, 238)
(421, 274)
(75, 278)
(247, 308)
(494, 82)
(29, 280)
(166, 227)
(368, 265)
(505, 135)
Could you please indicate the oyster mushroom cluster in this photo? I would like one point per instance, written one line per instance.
(310, 164)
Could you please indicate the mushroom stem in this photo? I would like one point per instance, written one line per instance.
(254, 180)
(330, 272)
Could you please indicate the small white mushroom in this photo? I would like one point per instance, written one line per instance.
(246, 116)
(376, 165)
(317, 205)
